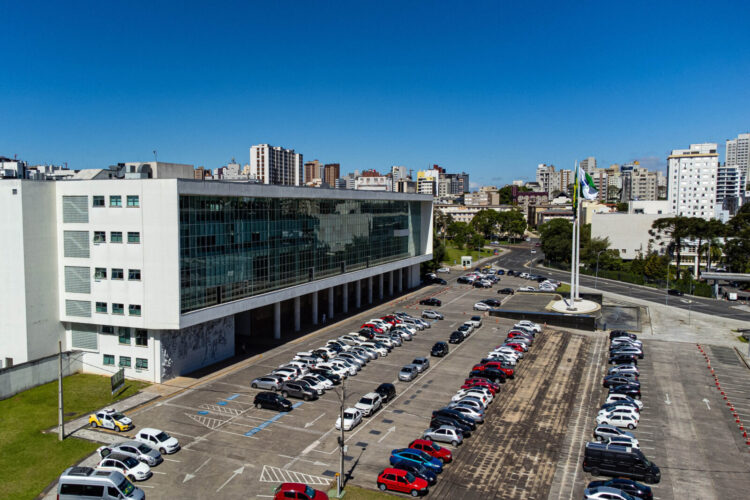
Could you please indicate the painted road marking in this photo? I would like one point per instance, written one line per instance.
(233, 396)
(279, 475)
(271, 420)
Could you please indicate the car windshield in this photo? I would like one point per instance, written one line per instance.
(348, 415)
(143, 448)
(366, 401)
(162, 436)
(126, 487)
(406, 369)
(410, 477)
(436, 447)
(130, 462)
(117, 416)
(309, 492)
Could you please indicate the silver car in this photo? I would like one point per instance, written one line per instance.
(444, 434)
(408, 373)
(603, 432)
(421, 363)
(135, 449)
(476, 415)
(267, 382)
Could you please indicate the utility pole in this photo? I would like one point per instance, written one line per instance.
(61, 425)
(340, 482)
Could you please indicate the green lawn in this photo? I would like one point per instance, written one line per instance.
(454, 254)
(30, 460)
(563, 288)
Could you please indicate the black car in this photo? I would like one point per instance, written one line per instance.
(418, 470)
(627, 389)
(490, 374)
(674, 291)
(272, 401)
(366, 332)
(335, 379)
(438, 281)
(456, 338)
(510, 272)
(500, 272)
(432, 301)
(629, 486)
(506, 291)
(439, 420)
(479, 284)
(620, 379)
(622, 333)
(491, 302)
(387, 391)
(440, 349)
(321, 354)
(623, 359)
(539, 279)
(456, 415)
(464, 280)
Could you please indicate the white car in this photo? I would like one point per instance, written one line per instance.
(350, 339)
(382, 351)
(128, 466)
(431, 314)
(327, 384)
(624, 441)
(369, 403)
(342, 345)
(335, 368)
(530, 324)
(481, 306)
(352, 418)
(469, 402)
(285, 373)
(605, 493)
(505, 352)
(624, 369)
(159, 440)
(611, 398)
(381, 324)
(316, 385)
(444, 270)
(620, 421)
(350, 368)
(481, 393)
(627, 411)
(527, 289)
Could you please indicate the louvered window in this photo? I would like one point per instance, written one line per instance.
(76, 244)
(84, 336)
(75, 209)
(78, 308)
(77, 279)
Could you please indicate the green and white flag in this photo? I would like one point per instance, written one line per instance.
(588, 188)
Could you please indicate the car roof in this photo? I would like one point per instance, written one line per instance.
(410, 365)
(420, 358)
(117, 456)
(371, 395)
(149, 430)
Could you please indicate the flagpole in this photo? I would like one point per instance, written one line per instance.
(578, 248)
(572, 305)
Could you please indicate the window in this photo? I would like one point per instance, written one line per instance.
(118, 308)
(115, 201)
(141, 363)
(134, 310)
(125, 361)
(109, 359)
(98, 201)
(134, 237)
(141, 337)
(101, 307)
(115, 237)
(108, 330)
(100, 237)
(134, 274)
(133, 200)
(100, 273)
(124, 334)
(117, 273)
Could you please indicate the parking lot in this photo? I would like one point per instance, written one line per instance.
(530, 446)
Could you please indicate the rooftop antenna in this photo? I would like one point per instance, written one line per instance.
(155, 155)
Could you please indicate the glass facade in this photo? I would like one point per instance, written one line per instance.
(237, 247)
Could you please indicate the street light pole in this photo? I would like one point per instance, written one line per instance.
(666, 296)
(340, 482)
(596, 278)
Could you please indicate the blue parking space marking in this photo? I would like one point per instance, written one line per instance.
(222, 403)
(271, 420)
(233, 396)
(203, 412)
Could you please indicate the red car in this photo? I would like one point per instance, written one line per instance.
(432, 449)
(497, 366)
(401, 480)
(481, 382)
(374, 328)
(298, 491)
(516, 333)
(515, 347)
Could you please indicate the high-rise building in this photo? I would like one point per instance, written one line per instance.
(312, 171)
(691, 176)
(331, 172)
(427, 181)
(738, 154)
(588, 164)
(399, 173)
(545, 176)
(728, 188)
(276, 165)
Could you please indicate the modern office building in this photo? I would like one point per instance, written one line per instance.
(691, 175)
(165, 276)
(276, 165)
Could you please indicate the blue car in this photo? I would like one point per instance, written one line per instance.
(410, 455)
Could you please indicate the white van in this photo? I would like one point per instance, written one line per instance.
(77, 483)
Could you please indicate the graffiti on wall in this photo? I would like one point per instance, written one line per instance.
(196, 346)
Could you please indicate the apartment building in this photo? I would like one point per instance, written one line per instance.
(692, 175)
(276, 165)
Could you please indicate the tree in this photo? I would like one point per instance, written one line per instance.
(655, 266)
(477, 241)
(555, 239)
(613, 193)
(513, 224)
(506, 195)
(459, 233)
(737, 248)
(486, 222)
(442, 221)
(670, 232)
(622, 207)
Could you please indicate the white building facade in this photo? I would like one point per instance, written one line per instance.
(276, 165)
(159, 277)
(692, 175)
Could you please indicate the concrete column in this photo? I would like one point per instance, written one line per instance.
(345, 297)
(315, 308)
(400, 279)
(380, 286)
(277, 320)
(297, 326)
(358, 294)
(390, 282)
(369, 290)
(331, 296)
(414, 275)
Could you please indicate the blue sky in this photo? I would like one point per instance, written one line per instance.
(491, 88)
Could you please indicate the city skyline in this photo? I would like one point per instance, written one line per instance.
(490, 94)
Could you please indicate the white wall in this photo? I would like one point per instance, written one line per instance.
(40, 371)
(186, 350)
(627, 233)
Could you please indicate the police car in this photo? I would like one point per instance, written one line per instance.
(111, 419)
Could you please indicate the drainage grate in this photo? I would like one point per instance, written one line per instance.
(406, 403)
(398, 411)
(387, 420)
(329, 473)
(348, 458)
(374, 432)
(418, 391)
(361, 444)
